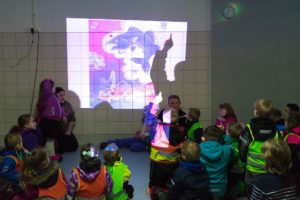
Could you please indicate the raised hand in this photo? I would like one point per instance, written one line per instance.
(158, 99)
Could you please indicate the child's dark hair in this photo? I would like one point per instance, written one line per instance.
(11, 140)
(293, 107)
(111, 154)
(190, 150)
(235, 129)
(275, 114)
(293, 121)
(228, 108)
(89, 152)
(58, 90)
(14, 129)
(23, 120)
(33, 163)
(194, 113)
(213, 133)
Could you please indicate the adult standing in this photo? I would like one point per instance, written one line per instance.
(49, 115)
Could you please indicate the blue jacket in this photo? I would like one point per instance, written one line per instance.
(216, 157)
(8, 164)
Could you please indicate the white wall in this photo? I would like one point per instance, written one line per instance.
(18, 61)
(50, 15)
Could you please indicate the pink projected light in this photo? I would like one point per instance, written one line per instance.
(110, 60)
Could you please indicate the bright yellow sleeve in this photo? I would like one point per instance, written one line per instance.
(127, 174)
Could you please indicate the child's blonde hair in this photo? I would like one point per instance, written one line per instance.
(278, 156)
(263, 108)
(190, 150)
(11, 140)
(235, 129)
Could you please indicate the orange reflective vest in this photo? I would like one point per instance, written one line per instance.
(19, 163)
(57, 191)
(93, 189)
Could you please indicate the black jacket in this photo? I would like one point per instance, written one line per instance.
(189, 182)
(181, 118)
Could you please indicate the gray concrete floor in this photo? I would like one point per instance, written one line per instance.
(138, 163)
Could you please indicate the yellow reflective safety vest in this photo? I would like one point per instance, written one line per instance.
(255, 162)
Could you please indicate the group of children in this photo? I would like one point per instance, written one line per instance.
(258, 159)
(224, 161)
(36, 176)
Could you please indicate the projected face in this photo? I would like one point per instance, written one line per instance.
(110, 60)
(135, 48)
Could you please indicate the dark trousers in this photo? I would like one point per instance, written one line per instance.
(161, 173)
(52, 129)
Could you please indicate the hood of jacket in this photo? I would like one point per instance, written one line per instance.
(47, 177)
(89, 170)
(211, 151)
(263, 128)
(194, 166)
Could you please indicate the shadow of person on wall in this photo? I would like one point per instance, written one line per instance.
(158, 71)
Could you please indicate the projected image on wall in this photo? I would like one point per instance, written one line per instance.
(111, 60)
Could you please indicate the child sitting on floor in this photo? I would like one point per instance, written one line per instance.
(236, 184)
(277, 183)
(31, 136)
(216, 157)
(13, 156)
(90, 179)
(190, 180)
(44, 175)
(119, 172)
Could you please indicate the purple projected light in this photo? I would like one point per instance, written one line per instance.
(110, 60)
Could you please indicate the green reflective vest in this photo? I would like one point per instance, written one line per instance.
(191, 131)
(238, 166)
(117, 175)
(255, 162)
